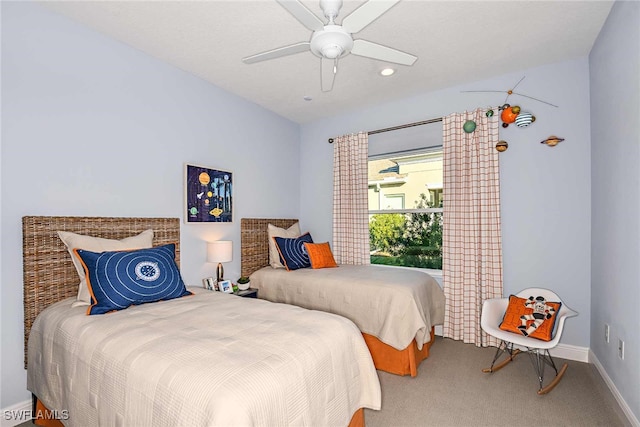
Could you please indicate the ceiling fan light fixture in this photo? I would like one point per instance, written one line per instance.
(331, 42)
(331, 51)
(386, 72)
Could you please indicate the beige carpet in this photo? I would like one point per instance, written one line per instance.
(452, 390)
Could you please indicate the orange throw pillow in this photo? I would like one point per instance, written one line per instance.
(320, 255)
(533, 317)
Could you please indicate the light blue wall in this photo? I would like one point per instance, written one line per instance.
(91, 126)
(615, 151)
(545, 192)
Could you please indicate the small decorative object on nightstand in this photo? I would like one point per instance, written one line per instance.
(225, 286)
(243, 283)
(249, 293)
(209, 283)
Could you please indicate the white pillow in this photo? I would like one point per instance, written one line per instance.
(73, 241)
(273, 231)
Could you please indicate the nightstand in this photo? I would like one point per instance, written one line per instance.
(249, 293)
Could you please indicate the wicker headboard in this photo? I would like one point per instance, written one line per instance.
(49, 274)
(255, 241)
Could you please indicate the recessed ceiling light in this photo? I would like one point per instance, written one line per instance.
(387, 72)
(307, 98)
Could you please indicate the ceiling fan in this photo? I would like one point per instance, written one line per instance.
(332, 41)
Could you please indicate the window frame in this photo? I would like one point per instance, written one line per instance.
(426, 150)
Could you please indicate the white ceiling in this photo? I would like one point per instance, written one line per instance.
(456, 42)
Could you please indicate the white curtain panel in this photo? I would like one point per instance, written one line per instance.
(350, 200)
(472, 243)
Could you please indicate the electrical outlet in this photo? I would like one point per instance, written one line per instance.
(606, 333)
(621, 349)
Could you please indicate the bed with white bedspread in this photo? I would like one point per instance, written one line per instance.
(203, 359)
(395, 305)
(207, 359)
(396, 309)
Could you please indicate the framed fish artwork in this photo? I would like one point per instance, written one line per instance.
(208, 195)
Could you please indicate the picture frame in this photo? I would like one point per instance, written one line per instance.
(225, 286)
(208, 195)
(209, 283)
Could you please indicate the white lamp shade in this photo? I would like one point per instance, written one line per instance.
(220, 251)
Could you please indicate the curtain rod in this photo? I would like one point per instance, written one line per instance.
(408, 125)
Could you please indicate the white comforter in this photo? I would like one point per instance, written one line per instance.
(207, 359)
(395, 305)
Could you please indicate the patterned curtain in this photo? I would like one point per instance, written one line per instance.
(350, 199)
(471, 241)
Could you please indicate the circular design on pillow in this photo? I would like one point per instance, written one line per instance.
(293, 252)
(137, 276)
(147, 271)
(120, 279)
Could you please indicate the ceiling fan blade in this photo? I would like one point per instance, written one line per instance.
(383, 53)
(329, 70)
(302, 14)
(366, 14)
(277, 53)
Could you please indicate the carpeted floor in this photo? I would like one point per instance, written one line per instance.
(452, 390)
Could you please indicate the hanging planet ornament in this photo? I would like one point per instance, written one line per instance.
(524, 119)
(469, 126)
(508, 115)
(552, 141)
(515, 109)
(489, 113)
(502, 146)
(505, 125)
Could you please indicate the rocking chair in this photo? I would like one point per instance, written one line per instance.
(493, 311)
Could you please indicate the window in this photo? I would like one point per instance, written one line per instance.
(435, 196)
(394, 201)
(405, 208)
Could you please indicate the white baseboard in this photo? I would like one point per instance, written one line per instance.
(614, 390)
(563, 351)
(16, 414)
(571, 352)
(437, 330)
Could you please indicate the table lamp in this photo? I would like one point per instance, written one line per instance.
(220, 251)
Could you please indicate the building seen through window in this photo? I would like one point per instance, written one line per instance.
(405, 208)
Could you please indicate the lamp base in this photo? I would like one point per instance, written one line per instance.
(219, 272)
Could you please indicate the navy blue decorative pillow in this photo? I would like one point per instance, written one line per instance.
(117, 280)
(293, 253)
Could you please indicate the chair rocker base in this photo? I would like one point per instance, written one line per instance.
(502, 348)
(539, 358)
(555, 381)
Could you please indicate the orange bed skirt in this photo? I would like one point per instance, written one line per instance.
(399, 362)
(356, 421)
(44, 417)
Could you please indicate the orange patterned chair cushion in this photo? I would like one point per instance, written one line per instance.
(533, 317)
(320, 255)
